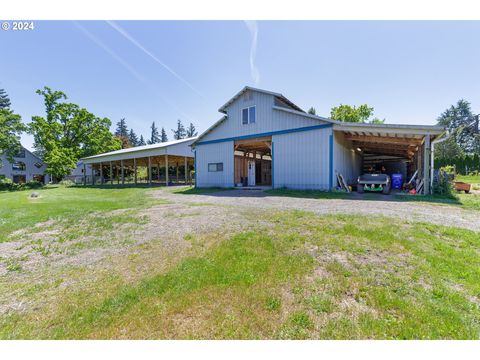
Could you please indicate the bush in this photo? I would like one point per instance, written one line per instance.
(442, 184)
(7, 184)
(66, 183)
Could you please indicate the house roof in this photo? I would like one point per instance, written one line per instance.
(140, 148)
(247, 88)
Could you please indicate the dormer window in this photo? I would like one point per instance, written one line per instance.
(248, 115)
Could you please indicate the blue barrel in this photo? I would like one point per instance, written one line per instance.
(397, 181)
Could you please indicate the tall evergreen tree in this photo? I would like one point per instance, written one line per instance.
(132, 138)
(191, 131)
(141, 142)
(121, 132)
(163, 135)
(154, 137)
(4, 100)
(312, 111)
(180, 132)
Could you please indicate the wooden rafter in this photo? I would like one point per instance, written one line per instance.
(387, 140)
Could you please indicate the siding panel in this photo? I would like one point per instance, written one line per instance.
(301, 160)
(214, 153)
(346, 160)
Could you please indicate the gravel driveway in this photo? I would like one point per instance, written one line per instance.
(410, 211)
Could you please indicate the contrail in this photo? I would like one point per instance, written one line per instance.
(126, 65)
(130, 38)
(253, 28)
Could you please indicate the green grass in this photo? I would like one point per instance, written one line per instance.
(467, 201)
(471, 179)
(303, 276)
(68, 205)
(191, 190)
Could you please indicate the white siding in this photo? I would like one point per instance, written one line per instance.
(267, 118)
(301, 159)
(346, 160)
(214, 153)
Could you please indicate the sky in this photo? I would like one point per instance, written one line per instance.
(162, 71)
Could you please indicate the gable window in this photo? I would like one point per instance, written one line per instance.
(38, 165)
(19, 166)
(249, 115)
(214, 167)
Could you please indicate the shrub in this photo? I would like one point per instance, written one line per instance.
(8, 185)
(66, 183)
(32, 185)
(442, 184)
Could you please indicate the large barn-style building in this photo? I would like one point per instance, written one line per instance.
(264, 139)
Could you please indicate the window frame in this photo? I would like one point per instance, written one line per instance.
(218, 167)
(22, 168)
(249, 120)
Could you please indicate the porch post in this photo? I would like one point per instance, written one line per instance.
(166, 169)
(176, 179)
(101, 173)
(135, 169)
(111, 173)
(426, 165)
(93, 175)
(118, 177)
(149, 170)
(84, 174)
(123, 172)
(186, 169)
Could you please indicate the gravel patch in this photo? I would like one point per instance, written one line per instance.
(408, 211)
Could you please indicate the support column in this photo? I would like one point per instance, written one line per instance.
(135, 170)
(176, 179)
(116, 171)
(158, 172)
(111, 173)
(166, 169)
(426, 165)
(186, 169)
(84, 174)
(123, 172)
(93, 175)
(101, 173)
(149, 170)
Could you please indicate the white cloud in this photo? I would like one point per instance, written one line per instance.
(253, 29)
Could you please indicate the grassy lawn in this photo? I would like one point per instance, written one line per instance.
(467, 201)
(297, 276)
(69, 205)
(191, 190)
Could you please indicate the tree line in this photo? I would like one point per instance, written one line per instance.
(68, 132)
(128, 138)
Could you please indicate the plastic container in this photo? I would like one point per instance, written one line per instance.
(397, 181)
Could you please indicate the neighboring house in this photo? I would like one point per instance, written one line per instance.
(264, 139)
(26, 167)
(77, 174)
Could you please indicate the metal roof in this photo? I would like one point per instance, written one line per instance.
(141, 148)
(246, 88)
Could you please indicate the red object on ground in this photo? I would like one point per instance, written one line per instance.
(413, 192)
(461, 186)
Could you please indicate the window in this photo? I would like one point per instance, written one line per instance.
(38, 165)
(214, 167)
(19, 166)
(248, 115)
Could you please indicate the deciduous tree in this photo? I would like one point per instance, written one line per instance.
(348, 113)
(68, 133)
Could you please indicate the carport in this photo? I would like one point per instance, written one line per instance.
(163, 163)
(405, 149)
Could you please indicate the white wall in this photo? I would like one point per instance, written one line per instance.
(346, 160)
(301, 159)
(214, 153)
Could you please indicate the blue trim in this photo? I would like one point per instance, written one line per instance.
(330, 164)
(195, 166)
(273, 167)
(279, 132)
